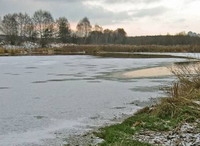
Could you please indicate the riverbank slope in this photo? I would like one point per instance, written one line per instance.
(174, 120)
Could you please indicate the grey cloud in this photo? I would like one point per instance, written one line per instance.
(131, 1)
(96, 14)
(12, 6)
(108, 17)
(74, 10)
(104, 1)
(156, 11)
(65, 1)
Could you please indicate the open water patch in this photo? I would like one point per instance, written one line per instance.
(39, 117)
(115, 77)
(13, 74)
(146, 88)
(37, 98)
(119, 107)
(150, 102)
(4, 88)
(28, 72)
(95, 117)
(54, 80)
(61, 75)
(31, 67)
(94, 81)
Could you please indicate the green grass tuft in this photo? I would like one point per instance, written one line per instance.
(182, 105)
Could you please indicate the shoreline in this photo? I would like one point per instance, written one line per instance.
(174, 120)
(146, 136)
(148, 72)
(161, 71)
(89, 137)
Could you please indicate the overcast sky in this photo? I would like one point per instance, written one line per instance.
(137, 17)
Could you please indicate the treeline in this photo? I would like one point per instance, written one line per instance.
(167, 40)
(42, 28)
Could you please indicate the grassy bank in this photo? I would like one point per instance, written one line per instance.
(95, 49)
(182, 105)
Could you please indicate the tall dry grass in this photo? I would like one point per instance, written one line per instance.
(95, 49)
(2, 51)
(183, 96)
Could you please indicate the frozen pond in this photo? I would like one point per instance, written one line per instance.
(43, 99)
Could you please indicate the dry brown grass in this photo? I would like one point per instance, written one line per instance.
(2, 51)
(184, 94)
(95, 49)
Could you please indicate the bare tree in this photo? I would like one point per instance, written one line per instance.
(24, 24)
(63, 29)
(9, 27)
(43, 25)
(42, 20)
(96, 36)
(84, 27)
(108, 36)
(120, 36)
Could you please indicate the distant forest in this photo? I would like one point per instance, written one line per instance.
(43, 29)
